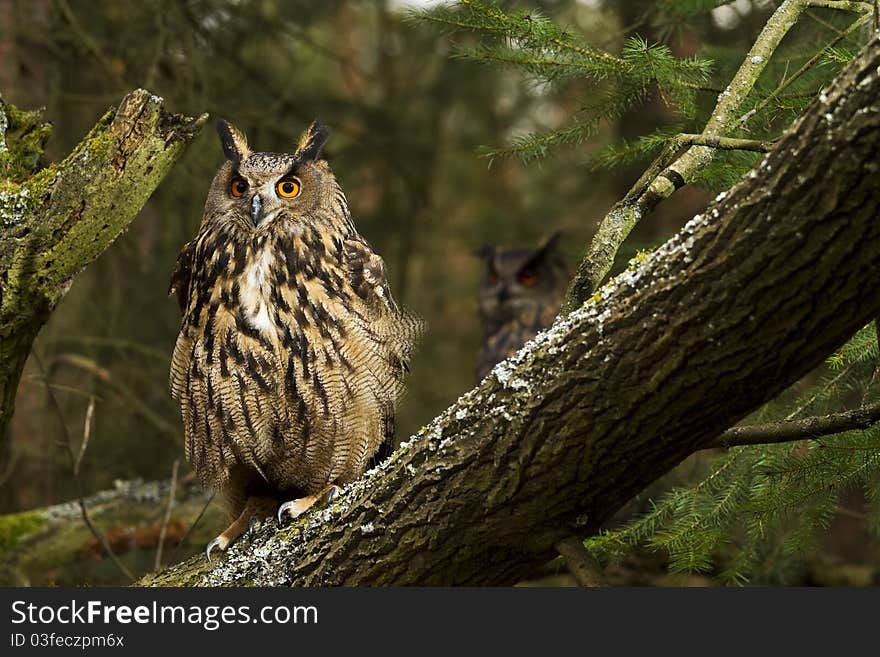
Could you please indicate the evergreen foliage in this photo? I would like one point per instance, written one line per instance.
(621, 82)
(552, 55)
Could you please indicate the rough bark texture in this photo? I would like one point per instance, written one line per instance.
(55, 222)
(744, 301)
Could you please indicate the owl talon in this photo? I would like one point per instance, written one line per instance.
(250, 530)
(287, 506)
(298, 507)
(332, 494)
(220, 543)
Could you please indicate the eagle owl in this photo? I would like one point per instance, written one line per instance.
(521, 291)
(291, 352)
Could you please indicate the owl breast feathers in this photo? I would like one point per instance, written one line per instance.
(292, 351)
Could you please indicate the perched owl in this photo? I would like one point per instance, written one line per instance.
(521, 291)
(292, 351)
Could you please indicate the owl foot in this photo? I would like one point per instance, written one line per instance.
(298, 507)
(254, 507)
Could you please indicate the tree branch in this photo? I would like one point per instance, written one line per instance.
(723, 143)
(57, 220)
(810, 63)
(801, 429)
(581, 564)
(843, 5)
(739, 305)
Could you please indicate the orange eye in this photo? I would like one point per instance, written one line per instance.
(288, 187)
(492, 278)
(238, 186)
(527, 277)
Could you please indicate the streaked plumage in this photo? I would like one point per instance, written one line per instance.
(292, 351)
(521, 291)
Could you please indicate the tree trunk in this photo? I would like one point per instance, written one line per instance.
(744, 301)
(55, 221)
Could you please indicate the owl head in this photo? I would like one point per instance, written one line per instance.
(521, 282)
(254, 188)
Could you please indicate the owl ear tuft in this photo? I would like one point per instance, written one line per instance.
(551, 243)
(547, 251)
(312, 141)
(235, 145)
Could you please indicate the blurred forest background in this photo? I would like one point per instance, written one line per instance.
(407, 120)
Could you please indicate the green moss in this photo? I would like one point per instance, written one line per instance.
(641, 256)
(16, 526)
(25, 136)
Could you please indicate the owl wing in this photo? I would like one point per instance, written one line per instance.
(367, 275)
(394, 331)
(182, 274)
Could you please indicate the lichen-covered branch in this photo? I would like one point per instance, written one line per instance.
(56, 220)
(660, 182)
(740, 304)
(52, 546)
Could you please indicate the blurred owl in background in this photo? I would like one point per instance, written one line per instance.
(521, 291)
(292, 351)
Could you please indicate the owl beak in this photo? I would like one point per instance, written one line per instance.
(256, 209)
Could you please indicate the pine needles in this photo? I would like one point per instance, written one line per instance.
(551, 55)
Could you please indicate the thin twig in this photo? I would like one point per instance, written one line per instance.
(802, 429)
(130, 397)
(88, 41)
(77, 481)
(191, 528)
(581, 563)
(843, 5)
(87, 432)
(171, 492)
(745, 118)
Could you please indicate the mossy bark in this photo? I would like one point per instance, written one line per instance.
(744, 301)
(52, 546)
(55, 221)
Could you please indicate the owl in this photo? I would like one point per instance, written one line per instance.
(521, 291)
(291, 352)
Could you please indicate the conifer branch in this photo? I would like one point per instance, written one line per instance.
(647, 193)
(801, 429)
(810, 63)
(556, 37)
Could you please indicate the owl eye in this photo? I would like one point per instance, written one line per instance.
(288, 187)
(238, 186)
(527, 277)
